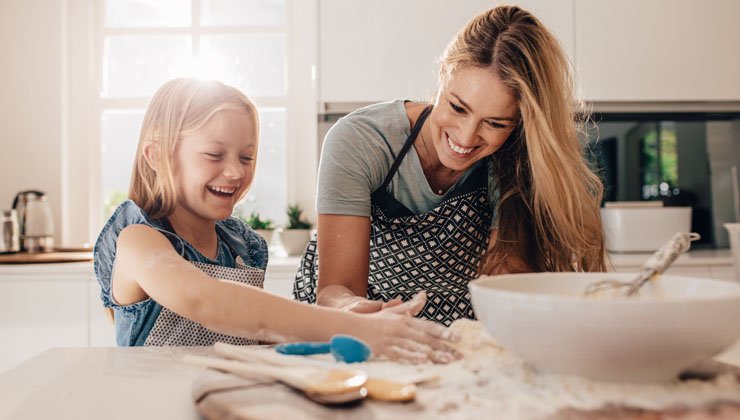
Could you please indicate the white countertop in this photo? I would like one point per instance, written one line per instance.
(282, 264)
(116, 383)
(702, 257)
(86, 268)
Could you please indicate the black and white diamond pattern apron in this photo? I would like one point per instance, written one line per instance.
(438, 251)
(171, 329)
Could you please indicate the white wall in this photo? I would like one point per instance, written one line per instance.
(31, 112)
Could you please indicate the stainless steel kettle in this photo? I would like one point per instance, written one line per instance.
(35, 221)
(9, 237)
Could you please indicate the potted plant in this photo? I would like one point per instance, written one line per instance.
(263, 226)
(297, 232)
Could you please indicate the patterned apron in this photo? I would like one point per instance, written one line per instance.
(438, 251)
(171, 329)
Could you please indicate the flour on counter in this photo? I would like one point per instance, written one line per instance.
(490, 379)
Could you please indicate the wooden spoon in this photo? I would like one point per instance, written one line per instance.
(325, 386)
(381, 389)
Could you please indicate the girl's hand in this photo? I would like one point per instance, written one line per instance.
(393, 334)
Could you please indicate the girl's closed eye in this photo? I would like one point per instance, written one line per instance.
(247, 158)
(214, 155)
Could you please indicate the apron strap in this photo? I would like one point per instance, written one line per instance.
(415, 130)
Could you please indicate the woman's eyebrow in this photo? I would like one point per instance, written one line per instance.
(466, 106)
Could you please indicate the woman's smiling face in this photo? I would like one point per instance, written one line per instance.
(214, 165)
(473, 116)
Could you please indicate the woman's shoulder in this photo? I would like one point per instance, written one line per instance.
(382, 127)
(381, 117)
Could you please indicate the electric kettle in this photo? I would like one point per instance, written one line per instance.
(35, 221)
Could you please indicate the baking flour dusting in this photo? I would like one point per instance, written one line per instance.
(490, 380)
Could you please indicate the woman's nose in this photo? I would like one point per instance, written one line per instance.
(468, 132)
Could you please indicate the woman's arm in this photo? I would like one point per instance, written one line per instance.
(146, 260)
(343, 276)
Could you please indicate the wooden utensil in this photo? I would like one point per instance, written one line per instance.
(325, 386)
(381, 389)
(654, 266)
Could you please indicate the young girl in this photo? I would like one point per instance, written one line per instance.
(177, 270)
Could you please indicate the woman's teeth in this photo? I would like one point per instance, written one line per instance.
(223, 191)
(457, 149)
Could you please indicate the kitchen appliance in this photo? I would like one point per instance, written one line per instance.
(9, 235)
(680, 158)
(632, 228)
(733, 229)
(35, 221)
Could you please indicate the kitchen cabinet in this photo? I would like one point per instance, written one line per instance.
(38, 312)
(372, 51)
(58, 305)
(658, 50)
(623, 51)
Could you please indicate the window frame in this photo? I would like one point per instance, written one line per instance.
(82, 217)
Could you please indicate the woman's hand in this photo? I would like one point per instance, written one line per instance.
(394, 334)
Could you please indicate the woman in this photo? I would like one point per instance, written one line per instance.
(490, 179)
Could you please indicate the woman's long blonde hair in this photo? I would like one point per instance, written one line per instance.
(548, 210)
(179, 107)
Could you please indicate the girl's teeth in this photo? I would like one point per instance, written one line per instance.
(222, 190)
(458, 149)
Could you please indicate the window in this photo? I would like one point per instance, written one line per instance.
(143, 43)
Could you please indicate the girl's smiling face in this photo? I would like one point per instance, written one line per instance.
(473, 116)
(213, 166)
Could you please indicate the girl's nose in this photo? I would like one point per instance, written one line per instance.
(234, 170)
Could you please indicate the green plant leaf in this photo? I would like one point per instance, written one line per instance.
(255, 221)
(295, 221)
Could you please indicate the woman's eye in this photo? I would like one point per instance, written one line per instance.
(458, 109)
(494, 124)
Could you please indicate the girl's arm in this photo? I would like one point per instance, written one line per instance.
(146, 261)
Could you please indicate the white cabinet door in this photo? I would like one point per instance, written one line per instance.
(379, 50)
(280, 275)
(724, 272)
(658, 50)
(37, 313)
(101, 327)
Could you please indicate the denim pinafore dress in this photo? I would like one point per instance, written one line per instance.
(171, 329)
(438, 251)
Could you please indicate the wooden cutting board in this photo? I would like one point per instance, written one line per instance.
(45, 257)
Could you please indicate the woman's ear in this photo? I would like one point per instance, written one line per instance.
(151, 154)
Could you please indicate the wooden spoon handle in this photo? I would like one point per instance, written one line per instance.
(250, 370)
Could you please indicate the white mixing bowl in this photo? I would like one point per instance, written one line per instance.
(675, 323)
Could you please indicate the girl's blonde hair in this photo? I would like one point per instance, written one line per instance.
(548, 210)
(179, 107)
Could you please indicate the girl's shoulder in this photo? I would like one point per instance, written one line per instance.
(126, 214)
(104, 252)
(245, 241)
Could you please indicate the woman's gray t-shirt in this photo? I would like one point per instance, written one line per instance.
(356, 156)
